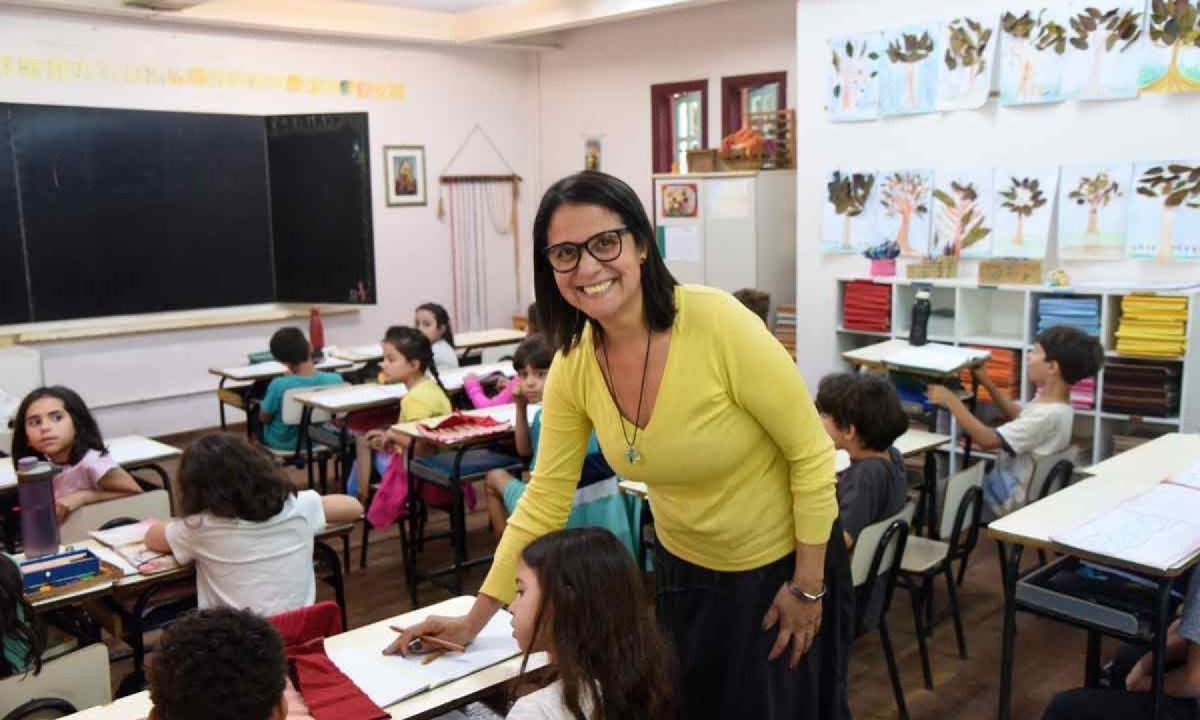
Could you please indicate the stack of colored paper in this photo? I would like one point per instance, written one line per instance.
(1004, 370)
(785, 327)
(1142, 388)
(1083, 394)
(867, 306)
(1082, 313)
(1153, 325)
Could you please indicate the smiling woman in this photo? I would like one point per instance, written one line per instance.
(688, 392)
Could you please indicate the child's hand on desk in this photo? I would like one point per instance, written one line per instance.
(939, 395)
(375, 439)
(69, 503)
(453, 629)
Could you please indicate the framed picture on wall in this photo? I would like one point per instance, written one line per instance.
(679, 200)
(404, 174)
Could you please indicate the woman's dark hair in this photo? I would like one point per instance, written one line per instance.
(412, 344)
(87, 432)
(224, 475)
(218, 662)
(866, 401)
(604, 639)
(533, 352)
(441, 317)
(18, 621)
(561, 322)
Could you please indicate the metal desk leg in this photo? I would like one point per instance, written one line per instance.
(971, 403)
(221, 403)
(1012, 569)
(930, 493)
(1161, 622)
(458, 521)
(1091, 669)
(305, 424)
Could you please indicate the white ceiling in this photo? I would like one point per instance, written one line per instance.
(438, 5)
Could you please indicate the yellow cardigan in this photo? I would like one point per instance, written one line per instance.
(738, 465)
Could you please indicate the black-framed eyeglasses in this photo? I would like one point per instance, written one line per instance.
(604, 246)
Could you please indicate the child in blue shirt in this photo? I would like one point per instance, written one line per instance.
(290, 347)
(598, 500)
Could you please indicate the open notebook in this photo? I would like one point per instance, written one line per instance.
(388, 679)
(129, 541)
(1158, 528)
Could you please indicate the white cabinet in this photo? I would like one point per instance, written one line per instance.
(730, 230)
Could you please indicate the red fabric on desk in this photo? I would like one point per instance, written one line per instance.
(327, 692)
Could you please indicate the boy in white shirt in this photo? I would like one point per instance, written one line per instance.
(1061, 356)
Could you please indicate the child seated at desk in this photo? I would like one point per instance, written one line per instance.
(1129, 695)
(219, 663)
(598, 499)
(20, 629)
(290, 347)
(1061, 356)
(434, 322)
(54, 424)
(246, 528)
(474, 389)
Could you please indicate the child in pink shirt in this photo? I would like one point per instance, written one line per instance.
(474, 388)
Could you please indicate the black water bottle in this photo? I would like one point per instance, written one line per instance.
(918, 333)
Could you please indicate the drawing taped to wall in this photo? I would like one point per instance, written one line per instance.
(1032, 48)
(1092, 204)
(846, 225)
(965, 76)
(902, 209)
(1164, 212)
(1024, 205)
(909, 81)
(852, 89)
(1103, 51)
(962, 213)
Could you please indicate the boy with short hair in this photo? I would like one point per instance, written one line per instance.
(219, 663)
(757, 301)
(1061, 356)
(290, 347)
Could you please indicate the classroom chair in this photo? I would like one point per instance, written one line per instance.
(328, 569)
(152, 505)
(66, 685)
(1051, 473)
(873, 567)
(924, 559)
(306, 452)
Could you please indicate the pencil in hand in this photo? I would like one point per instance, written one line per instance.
(432, 656)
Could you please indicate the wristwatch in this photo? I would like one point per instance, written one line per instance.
(799, 592)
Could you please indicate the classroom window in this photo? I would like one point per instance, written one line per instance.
(763, 92)
(679, 114)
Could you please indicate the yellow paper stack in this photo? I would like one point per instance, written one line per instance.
(1152, 325)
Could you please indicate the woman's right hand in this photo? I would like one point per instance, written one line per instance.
(455, 629)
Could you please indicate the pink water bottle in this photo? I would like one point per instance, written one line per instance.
(316, 331)
(35, 494)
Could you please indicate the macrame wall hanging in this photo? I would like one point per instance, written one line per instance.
(485, 257)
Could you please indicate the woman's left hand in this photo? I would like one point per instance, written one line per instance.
(799, 622)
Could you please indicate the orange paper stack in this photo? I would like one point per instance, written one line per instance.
(1004, 370)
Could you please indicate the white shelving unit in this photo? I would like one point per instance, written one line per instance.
(1005, 316)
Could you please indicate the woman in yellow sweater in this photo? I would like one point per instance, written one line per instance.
(689, 393)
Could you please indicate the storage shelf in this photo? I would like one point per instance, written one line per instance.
(946, 339)
(994, 341)
(1143, 418)
(871, 333)
(1126, 356)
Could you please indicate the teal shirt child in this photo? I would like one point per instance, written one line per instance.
(276, 433)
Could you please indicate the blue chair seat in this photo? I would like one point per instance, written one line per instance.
(475, 462)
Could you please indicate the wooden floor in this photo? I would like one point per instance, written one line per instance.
(1049, 655)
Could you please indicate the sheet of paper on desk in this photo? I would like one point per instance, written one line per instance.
(1189, 477)
(934, 357)
(363, 394)
(508, 413)
(1157, 528)
(389, 679)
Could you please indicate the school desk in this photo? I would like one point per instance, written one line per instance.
(1111, 483)
(429, 704)
(245, 374)
(132, 452)
(469, 345)
(446, 469)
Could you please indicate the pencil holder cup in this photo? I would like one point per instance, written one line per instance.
(883, 267)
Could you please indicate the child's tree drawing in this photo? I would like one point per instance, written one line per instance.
(1096, 193)
(848, 194)
(1030, 36)
(1100, 32)
(1173, 25)
(1174, 186)
(960, 217)
(909, 50)
(902, 195)
(966, 50)
(1023, 197)
(854, 65)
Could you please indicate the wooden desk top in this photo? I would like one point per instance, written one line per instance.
(129, 451)
(1113, 481)
(487, 338)
(272, 369)
(376, 635)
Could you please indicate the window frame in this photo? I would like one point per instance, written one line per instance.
(662, 120)
(731, 96)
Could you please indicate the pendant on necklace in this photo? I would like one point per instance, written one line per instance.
(631, 455)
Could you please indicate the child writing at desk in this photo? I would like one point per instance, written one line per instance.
(53, 423)
(1061, 356)
(290, 347)
(246, 528)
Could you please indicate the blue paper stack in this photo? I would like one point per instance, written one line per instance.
(1082, 313)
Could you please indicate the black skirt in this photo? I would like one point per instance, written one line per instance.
(714, 623)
